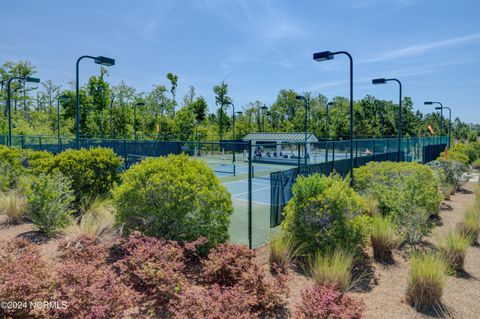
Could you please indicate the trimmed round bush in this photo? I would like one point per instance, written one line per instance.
(93, 172)
(326, 212)
(175, 198)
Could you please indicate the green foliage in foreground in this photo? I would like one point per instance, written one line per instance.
(426, 280)
(93, 172)
(332, 268)
(325, 212)
(408, 192)
(174, 197)
(50, 199)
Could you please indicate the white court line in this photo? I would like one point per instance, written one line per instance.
(253, 190)
(243, 181)
(253, 201)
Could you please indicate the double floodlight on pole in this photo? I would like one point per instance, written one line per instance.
(384, 81)
(440, 108)
(328, 55)
(305, 123)
(9, 109)
(98, 60)
(135, 117)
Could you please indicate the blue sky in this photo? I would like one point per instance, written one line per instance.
(261, 46)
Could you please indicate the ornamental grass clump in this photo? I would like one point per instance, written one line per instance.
(13, 206)
(470, 225)
(96, 219)
(383, 237)
(282, 252)
(453, 248)
(426, 280)
(332, 268)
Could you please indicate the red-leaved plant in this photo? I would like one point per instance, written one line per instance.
(89, 286)
(327, 301)
(24, 277)
(213, 302)
(152, 267)
(233, 266)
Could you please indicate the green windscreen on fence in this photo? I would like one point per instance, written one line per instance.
(260, 185)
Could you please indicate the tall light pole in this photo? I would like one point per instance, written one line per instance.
(98, 60)
(441, 118)
(327, 120)
(305, 122)
(384, 81)
(264, 107)
(135, 117)
(327, 55)
(26, 79)
(60, 98)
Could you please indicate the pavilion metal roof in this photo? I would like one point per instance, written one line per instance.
(281, 137)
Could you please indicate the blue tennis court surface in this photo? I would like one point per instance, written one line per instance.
(260, 190)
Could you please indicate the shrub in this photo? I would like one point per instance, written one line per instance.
(8, 176)
(451, 172)
(92, 172)
(50, 199)
(426, 280)
(213, 303)
(282, 252)
(470, 225)
(325, 212)
(152, 267)
(332, 268)
(408, 192)
(233, 266)
(476, 164)
(453, 248)
(383, 237)
(14, 206)
(326, 302)
(175, 198)
(455, 156)
(384, 180)
(24, 277)
(227, 263)
(88, 284)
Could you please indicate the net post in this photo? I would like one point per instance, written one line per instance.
(250, 244)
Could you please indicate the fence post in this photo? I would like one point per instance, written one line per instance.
(250, 243)
(298, 157)
(326, 151)
(125, 153)
(373, 151)
(23, 141)
(333, 156)
(356, 153)
(40, 142)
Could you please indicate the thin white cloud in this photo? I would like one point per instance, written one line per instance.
(420, 49)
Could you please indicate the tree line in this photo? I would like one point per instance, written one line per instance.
(118, 111)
